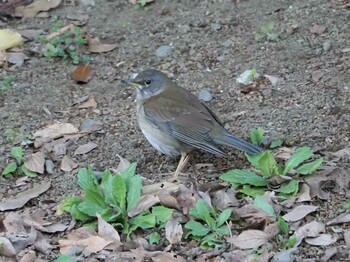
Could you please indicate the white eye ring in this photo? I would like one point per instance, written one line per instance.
(148, 82)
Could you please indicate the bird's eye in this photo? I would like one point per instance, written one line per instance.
(148, 82)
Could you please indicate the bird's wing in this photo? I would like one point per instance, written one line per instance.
(189, 123)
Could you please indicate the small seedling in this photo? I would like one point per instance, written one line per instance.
(267, 32)
(67, 45)
(6, 84)
(208, 228)
(284, 239)
(267, 168)
(18, 165)
(113, 198)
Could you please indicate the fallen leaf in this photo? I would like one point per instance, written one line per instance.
(272, 230)
(315, 183)
(342, 218)
(145, 203)
(16, 58)
(222, 199)
(158, 187)
(6, 248)
(91, 244)
(95, 46)
(137, 255)
(168, 200)
(35, 7)
(123, 165)
(316, 75)
(283, 153)
(299, 212)
(249, 239)
(35, 162)
(23, 239)
(322, 240)
(274, 80)
(108, 232)
(31, 34)
(53, 131)
(13, 223)
(68, 164)
(236, 256)
(88, 104)
(9, 39)
(347, 238)
(173, 230)
(83, 149)
(30, 256)
(43, 245)
(304, 193)
(312, 229)
(345, 152)
(82, 73)
(168, 257)
(22, 198)
(285, 255)
(317, 29)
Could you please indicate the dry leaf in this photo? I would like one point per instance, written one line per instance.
(222, 199)
(285, 255)
(88, 104)
(68, 164)
(6, 248)
(168, 200)
(35, 162)
(145, 203)
(31, 34)
(29, 257)
(316, 75)
(312, 229)
(158, 187)
(22, 198)
(92, 244)
(173, 230)
(82, 73)
(304, 193)
(35, 7)
(235, 256)
(53, 131)
(123, 165)
(342, 218)
(299, 212)
(95, 46)
(322, 240)
(317, 29)
(167, 257)
(108, 232)
(16, 58)
(43, 245)
(9, 39)
(273, 79)
(83, 149)
(250, 239)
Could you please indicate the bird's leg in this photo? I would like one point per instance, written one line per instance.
(182, 163)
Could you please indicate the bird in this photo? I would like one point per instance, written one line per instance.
(175, 121)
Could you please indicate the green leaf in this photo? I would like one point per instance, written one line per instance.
(243, 177)
(154, 238)
(261, 203)
(17, 153)
(202, 211)
(283, 225)
(70, 205)
(252, 191)
(223, 217)
(162, 214)
(292, 187)
(9, 169)
(254, 159)
(257, 135)
(272, 37)
(129, 172)
(27, 172)
(88, 183)
(224, 230)
(209, 241)
(64, 258)
(143, 221)
(134, 187)
(90, 208)
(197, 229)
(276, 143)
(311, 167)
(268, 165)
(291, 242)
(299, 156)
(114, 190)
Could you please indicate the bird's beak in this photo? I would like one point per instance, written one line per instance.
(131, 82)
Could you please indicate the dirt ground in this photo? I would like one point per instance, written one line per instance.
(212, 42)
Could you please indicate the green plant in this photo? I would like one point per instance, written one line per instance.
(6, 84)
(267, 32)
(208, 228)
(284, 240)
(67, 45)
(255, 183)
(113, 198)
(18, 165)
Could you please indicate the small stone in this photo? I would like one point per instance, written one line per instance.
(49, 165)
(226, 43)
(204, 95)
(215, 26)
(89, 123)
(163, 50)
(327, 45)
(220, 58)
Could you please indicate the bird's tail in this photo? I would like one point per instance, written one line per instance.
(230, 140)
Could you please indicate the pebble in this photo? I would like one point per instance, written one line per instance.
(49, 165)
(215, 26)
(205, 95)
(88, 122)
(327, 45)
(163, 50)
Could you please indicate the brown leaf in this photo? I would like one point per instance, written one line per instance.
(16, 58)
(173, 230)
(224, 198)
(68, 164)
(322, 240)
(312, 229)
(158, 187)
(317, 29)
(236, 256)
(53, 131)
(272, 230)
(168, 200)
(35, 162)
(168, 257)
(123, 165)
(95, 46)
(29, 257)
(83, 149)
(6, 248)
(91, 103)
(274, 80)
(304, 193)
(316, 75)
(22, 198)
(108, 232)
(342, 218)
(34, 8)
(145, 203)
(299, 212)
(249, 239)
(31, 34)
(43, 245)
(347, 238)
(285, 255)
(82, 73)
(24, 239)
(92, 244)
